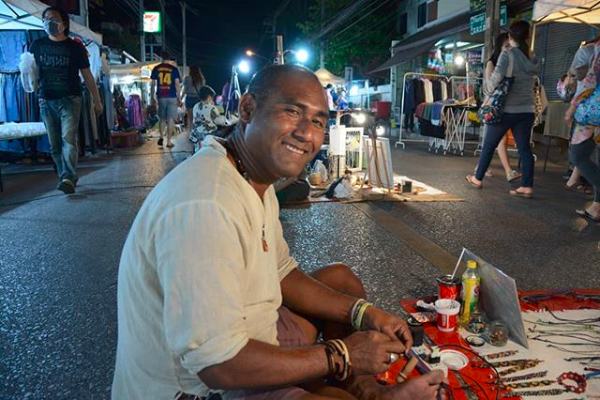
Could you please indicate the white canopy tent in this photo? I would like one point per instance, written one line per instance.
(326, 77)
(27, 14)
(127, 73)
(568, 11)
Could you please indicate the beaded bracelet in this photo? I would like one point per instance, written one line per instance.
(354, 312)
(361, 313)
(330, 362)
(575, 377)
(357, 313)
(338, 347)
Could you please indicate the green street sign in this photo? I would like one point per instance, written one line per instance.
(503, 17)
(477, 22)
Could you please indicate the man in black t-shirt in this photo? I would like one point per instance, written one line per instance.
(60, 59)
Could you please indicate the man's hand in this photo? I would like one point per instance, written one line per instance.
(179, 103)
(370, 352)
(425, 387)
(98, 108)
(394, 327)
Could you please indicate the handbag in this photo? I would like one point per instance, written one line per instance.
(588, 97)
(491, 110)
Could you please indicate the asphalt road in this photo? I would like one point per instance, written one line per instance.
(59, 255)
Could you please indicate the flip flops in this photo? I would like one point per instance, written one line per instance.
(586, 214)
(515, 192)
(469, 178)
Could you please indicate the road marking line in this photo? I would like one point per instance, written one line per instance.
(427, 249)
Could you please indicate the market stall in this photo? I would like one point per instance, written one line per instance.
(130, 85)
(21, 25)
(503, 343)
(440, 103)
(569, 11)
(326, 78)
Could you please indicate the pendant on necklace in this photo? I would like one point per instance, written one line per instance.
(265, 245)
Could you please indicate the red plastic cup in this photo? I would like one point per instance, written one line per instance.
(448, 287)
(446, 311)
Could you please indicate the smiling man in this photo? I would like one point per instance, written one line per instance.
(210, 302)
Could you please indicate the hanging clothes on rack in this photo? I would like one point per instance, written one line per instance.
(134, 111)
(444, 90)
(419, 88)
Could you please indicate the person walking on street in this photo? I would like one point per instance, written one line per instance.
(60, 60)
(518, 113)
(167, 81)
(502, 44)
(210, 302)
(191, 90)
(585, 111)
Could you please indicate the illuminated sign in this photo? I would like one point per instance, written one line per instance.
(152, 22)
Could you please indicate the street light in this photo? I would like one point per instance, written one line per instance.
(250, 53)
(301, 55)
(244, 67)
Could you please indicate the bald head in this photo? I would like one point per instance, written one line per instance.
(273, 77)
(283, 117)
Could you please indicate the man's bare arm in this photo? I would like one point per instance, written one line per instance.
(261, 365)
(306, 295)
(91, 85)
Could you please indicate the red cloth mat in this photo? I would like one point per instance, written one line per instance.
(480, 380)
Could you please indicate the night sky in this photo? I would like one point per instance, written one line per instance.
(220, 32)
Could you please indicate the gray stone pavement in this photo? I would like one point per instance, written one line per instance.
(59, 255)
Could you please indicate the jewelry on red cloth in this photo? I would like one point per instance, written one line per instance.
(501, 354)
(575, 377)
(521, 393)
(525, 377)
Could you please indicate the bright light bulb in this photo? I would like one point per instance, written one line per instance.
(354, 90)
(459, 60)
(380, 130)
(302, 55)
(244, 67)
(249, 53)
(360, 118)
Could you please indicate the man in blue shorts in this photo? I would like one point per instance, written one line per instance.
(166, 81)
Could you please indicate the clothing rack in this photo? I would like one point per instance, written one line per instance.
(412, 75)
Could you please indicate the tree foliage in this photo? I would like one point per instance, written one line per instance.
(361, 41)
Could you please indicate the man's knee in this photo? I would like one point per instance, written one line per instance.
(340, 277)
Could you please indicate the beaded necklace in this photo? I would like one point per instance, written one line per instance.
(230, 147)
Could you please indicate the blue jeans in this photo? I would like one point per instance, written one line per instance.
(580, 157)
(61, 118)
(521, 125)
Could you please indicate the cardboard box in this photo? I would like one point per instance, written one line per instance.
(124, 139)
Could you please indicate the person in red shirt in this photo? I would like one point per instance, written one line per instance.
(166, 81)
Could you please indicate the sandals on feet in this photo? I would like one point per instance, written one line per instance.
(515, 192)
(476, 185)
(586, 214)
